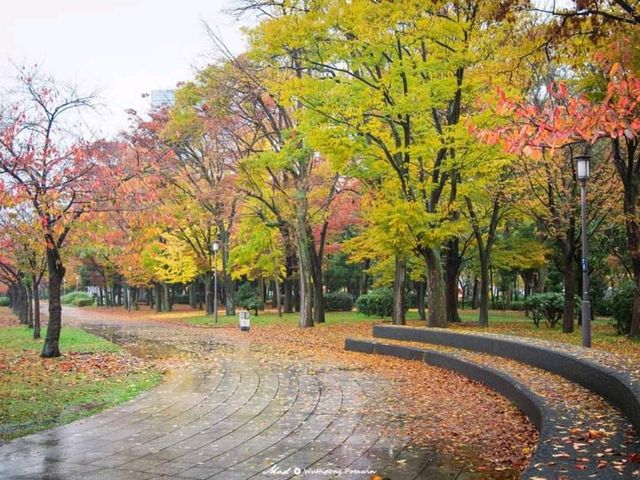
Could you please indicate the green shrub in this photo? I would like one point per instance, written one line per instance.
(338, 302)
(410, 299)
(247, 297)
(517, 305)
(70, 298)
(182, 299)
(82, 302)
(548, 306)
(604, 307)
(622, 307)
(5, 302)
(378, 302)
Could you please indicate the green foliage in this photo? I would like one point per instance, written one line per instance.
(82, 302)
(338, 302)
(410, 299)
(247, 297)
(340, 273)
(79, 299)
(622, 307)
(517, 305)
(547, 306)
(5, 301)
(378, 302)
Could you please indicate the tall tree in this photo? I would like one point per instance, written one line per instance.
(43, 164)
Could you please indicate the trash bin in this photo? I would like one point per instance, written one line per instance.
(244, 320)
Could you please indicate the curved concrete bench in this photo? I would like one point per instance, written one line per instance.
(615, 386)
(533, 406)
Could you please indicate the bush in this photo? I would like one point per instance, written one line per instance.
(338, 302)
(547, 306)
(517, 305)
(182, 299)
(82, 302)
(378, 302)
(622, 307)
(604, 307)
(410, 299)
(70, 298)
(5, 301)
(247, 297)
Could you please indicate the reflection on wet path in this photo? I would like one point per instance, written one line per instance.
(221, 414)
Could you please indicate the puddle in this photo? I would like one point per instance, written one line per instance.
(132, 343)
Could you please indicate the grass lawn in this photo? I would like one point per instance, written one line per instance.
(37, 394)
(506, 322)
(270, 318)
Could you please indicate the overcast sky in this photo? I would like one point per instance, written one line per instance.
(122, 48)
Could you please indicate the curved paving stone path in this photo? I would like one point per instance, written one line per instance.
(225, 416)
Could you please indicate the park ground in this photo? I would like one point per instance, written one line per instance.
(469, 426)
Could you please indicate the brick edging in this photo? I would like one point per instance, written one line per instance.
(615, 386)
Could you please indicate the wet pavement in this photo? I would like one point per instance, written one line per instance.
(223, 414)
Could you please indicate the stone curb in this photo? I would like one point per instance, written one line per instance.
(615, 386)
(533, 406)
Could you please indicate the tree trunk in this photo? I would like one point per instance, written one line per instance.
(29, 290)
(474, 294)
(483, 314)
(306, 291)
(157, 294)
(452, 271)
(437, 310)
(277, 295)
(229, 291)
(635, 315)
(208, 293)
(166, 300)
(541, 279)
(399, 284)
(36, 307)
(633, 240)
(289, 284)
(21, 303)
(318, 302)
(364, 278)
(421, 290)
(316, 273)
(527, 278)
(56, 273)
(569, 279)
(306, 314)
(305, 267)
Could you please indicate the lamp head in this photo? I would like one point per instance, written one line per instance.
(583, 163)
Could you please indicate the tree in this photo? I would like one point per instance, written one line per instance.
(390, 104)
(609, 115)
(20, 234)
(259, 253)
(40, 163)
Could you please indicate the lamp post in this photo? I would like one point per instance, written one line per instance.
(583, 175)
(214, 247)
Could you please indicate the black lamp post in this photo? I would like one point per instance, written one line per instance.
(583, 175)
(214, 247)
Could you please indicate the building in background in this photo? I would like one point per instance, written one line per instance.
(162, 98)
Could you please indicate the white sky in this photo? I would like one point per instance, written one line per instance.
(122, 48)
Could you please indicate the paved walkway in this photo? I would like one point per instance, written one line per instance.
(221, 414)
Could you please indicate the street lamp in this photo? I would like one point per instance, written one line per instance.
(583, 175)
(215, 246)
